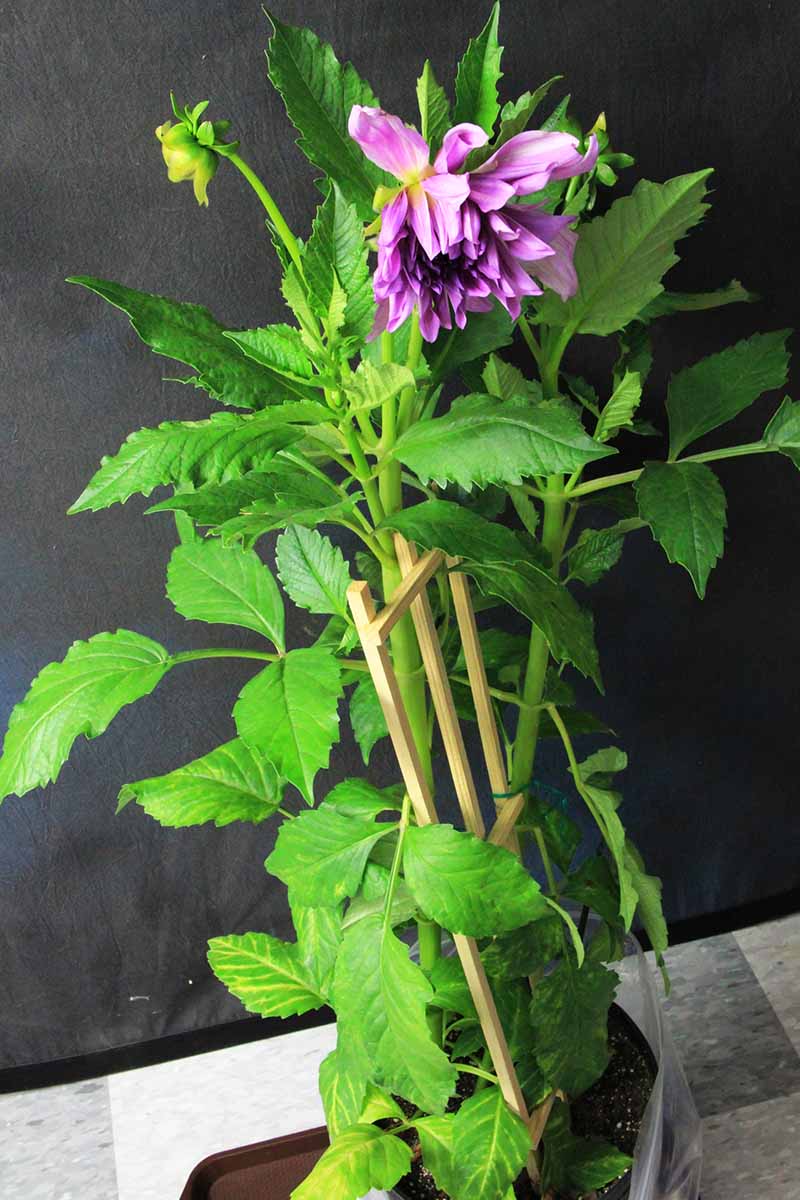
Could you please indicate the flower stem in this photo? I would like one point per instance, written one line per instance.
(274, 213)
(412, 362)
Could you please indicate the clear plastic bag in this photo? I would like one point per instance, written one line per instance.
(668, 1155)
(669, 1150)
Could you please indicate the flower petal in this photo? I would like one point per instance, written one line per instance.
(456, 145)
(419, 216)
(446, 194)
(393, 219)
(489, 192)
(578, 164)
(558, 271)
(389, 142)
(531, 159)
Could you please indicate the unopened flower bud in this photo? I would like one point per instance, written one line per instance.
(186, 158)
(192, 148)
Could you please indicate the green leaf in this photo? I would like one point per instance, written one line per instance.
(450, 988)
(295, 498)
(501, 651)
(618, 413)
(436, 1142)
(279, 347)
(488, 554)
(80, 695)
(684, 505)
(524, 950)
(319, 936)
(598, 550)
(716, 389)
(207, 581)
(443, 524)
(361, 1158)
(321, 855)
(668, 303)
(293, 290)
(602, 764)
(577, 1165)
(593, 883)
(569, 1016)
(342, 1095)
(515, 116)
(366, 716)
(213, 504)
(229, 784)
(649, 908)
(434, 108)
(568, 629)
(490, 1146)
(561, 835)
(381, 998)
(289, 712)
(336, 251)
(186, 453)
(783, 431)
(482, 333)
(503, 379)
(379, 1106)
(483, 440)
(189, 334)
(478, 75)
(358, 798)
(635, 354)
(373, 385)
(313, 571)
(603, 804)
(467, 885)
(319, 93)
(621, 257)
(266, 974)
(371, 898)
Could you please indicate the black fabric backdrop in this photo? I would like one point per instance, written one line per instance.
(103, 920)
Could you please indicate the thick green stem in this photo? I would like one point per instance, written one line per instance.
(406, 657)
(274, 213)
(538, 653)
(412, 362)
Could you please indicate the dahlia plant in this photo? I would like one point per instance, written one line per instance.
(389, 403)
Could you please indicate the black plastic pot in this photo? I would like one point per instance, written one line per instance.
(264, 1171)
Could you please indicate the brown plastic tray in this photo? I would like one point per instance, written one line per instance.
(264, 1171)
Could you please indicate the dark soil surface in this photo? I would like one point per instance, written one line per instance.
(611, 1109)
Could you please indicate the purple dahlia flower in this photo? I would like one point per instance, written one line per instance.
(450, 243)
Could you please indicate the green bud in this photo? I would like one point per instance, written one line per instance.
(192, 148)
(186, 158)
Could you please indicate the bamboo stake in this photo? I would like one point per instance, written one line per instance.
(376, 653)
(441, 694)
(503, 832)
(412, 585)
(508, 807)
(382, 670)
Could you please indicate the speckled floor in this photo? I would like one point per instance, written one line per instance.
(734, 1012)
